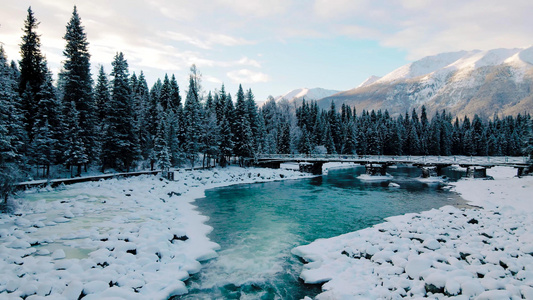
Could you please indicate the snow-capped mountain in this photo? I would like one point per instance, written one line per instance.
(369, 81)
(463, 83)
(308, 94)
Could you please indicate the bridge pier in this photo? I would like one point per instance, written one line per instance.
(476, 172)
(376, 169)
(313, 168)
(429, 170)
(523, 171)
(269, 164)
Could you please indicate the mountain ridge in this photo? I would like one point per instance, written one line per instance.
(464, 83)
(307, 93)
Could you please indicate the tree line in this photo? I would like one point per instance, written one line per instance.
(118, 122)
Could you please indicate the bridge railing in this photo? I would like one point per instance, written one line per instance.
(455, 159)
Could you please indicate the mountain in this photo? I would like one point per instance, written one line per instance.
(308, 94)
(369, 81)
(463, 83)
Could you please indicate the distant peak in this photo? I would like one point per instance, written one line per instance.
(369, 81)
(307, 93)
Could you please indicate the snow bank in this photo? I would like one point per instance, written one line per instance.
(132, 238)
(485, 253)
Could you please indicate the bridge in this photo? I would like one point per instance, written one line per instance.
(312, 163)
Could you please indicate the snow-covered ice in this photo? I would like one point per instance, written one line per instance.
(130, 238)
(482, 253)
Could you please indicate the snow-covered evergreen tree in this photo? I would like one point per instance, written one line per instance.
(48, 130)
(120, 146)
(77, 82)
(32, 71)
(102, 96)
(161, 148)
(11, 126)
(192, 113)
(75, 152)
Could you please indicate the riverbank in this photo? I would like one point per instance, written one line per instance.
(442, 253)
(131, 238)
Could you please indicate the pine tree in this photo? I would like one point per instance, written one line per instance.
(141, 100)
(242, 127)
(192, 121)
(528, 150)
(77, 82)
(102, 96)
(284, 139)
(327, 140)
(161, 148)
(10, 117)
(32, 71)
(210, 136)
(304, 145)
(253, 117)
(75, 152)
(120, 145)
(48, 141)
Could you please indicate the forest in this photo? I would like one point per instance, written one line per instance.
(115, 122)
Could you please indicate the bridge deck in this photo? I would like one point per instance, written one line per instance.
(488, 161)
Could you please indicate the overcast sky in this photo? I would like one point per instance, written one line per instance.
(271, 46)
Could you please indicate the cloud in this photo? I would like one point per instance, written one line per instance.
(256, 8)
(205, 41)
(247, 76)
(424, 28)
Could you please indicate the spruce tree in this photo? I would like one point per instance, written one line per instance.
(528, 150)
(49, 137)
(192, 122)
(242, 127)
(102, 96)
(161, 148)
(32, 71)
(77, 82)
(12, 133)
(120, 146)
(75, 152)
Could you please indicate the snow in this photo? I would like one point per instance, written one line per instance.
(374, 178)
(131, 238)
(482, 253)
(370, 80)
(438, 67)
(309, 94)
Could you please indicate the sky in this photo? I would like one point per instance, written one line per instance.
(271, 46)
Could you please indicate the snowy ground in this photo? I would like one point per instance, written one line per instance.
(133, 238)
(446, 253)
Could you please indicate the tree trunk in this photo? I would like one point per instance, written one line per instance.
(79, 171)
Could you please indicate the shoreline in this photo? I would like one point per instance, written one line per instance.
(134, 238)
(113, 252)
(484, 252)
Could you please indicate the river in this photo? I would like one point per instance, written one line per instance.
(257, 225)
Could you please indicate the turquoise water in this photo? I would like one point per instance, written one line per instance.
(257, 225)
